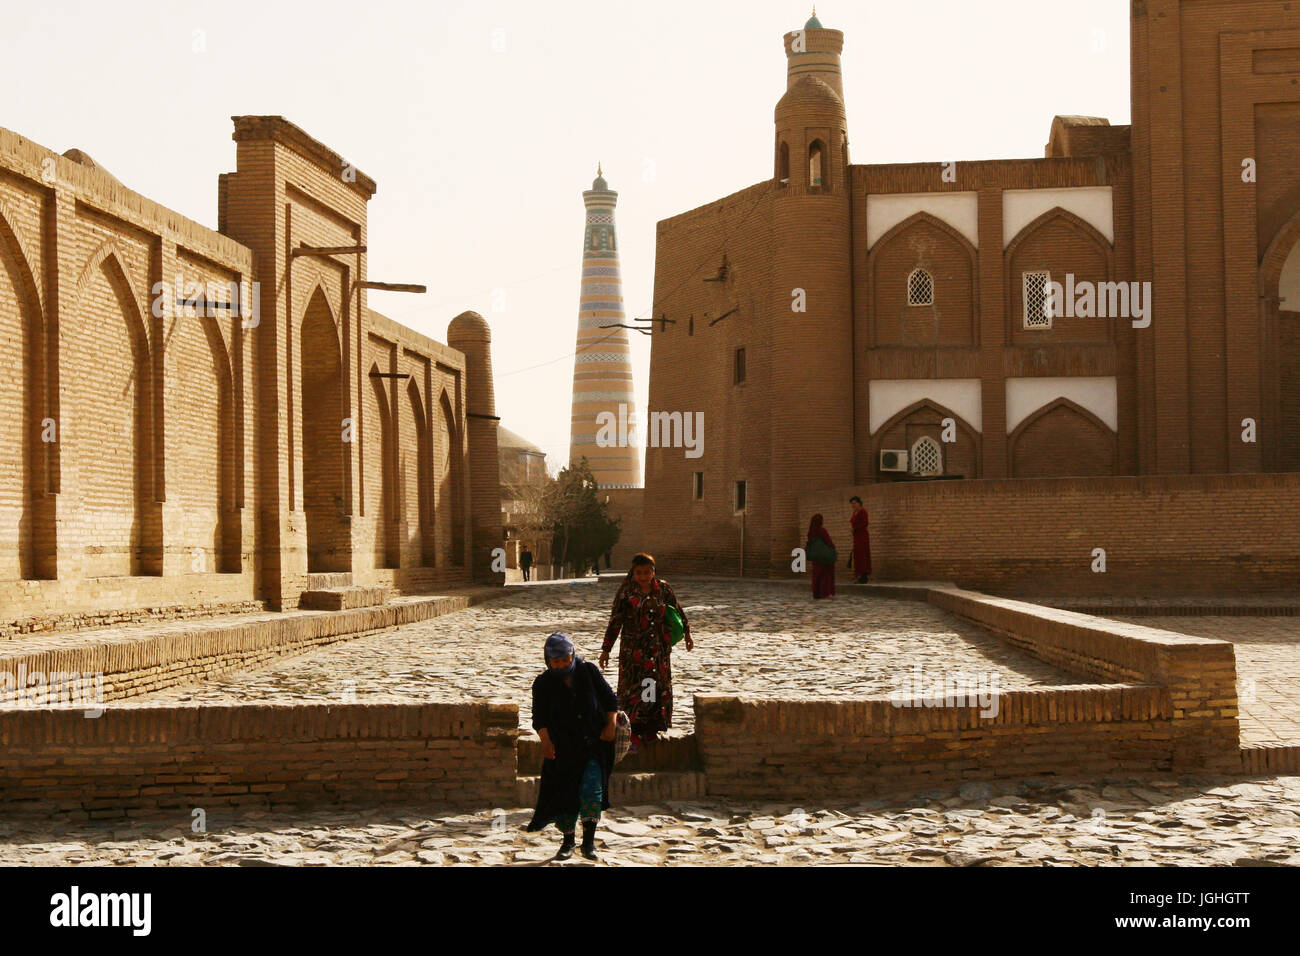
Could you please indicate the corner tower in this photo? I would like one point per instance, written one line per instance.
(812, 307)
(602, 368)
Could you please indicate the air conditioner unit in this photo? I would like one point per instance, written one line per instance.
(893, 459)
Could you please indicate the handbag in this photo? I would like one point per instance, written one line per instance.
(622, 736)
(676, 626)
(819, 552)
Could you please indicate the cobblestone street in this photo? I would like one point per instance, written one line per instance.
(751, 639)
(1141, 821)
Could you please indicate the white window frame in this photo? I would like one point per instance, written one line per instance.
(929, 278)
(1044, 319)
(912, 457)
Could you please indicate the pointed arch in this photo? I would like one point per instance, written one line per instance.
(965, 453)
(451, 482)
(227, 534)
(386, 547)
(1062, 439)
(1069, 219)
(33, 526)
(329, 544)
(1280, 353)
(1063, 328)
(424, 525)
(120, 463)
(955, 306)
(819, 172)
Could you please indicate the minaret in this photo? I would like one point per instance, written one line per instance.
(812, 252)
(603, 403)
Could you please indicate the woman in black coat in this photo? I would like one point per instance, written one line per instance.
(574, 710)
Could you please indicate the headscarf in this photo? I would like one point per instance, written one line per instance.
(814, 526)
(560, 645)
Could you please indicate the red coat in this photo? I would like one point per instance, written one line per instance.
(861, 542)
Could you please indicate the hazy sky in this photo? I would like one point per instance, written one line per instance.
(483, 122)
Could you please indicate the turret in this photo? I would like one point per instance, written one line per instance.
(469, 334)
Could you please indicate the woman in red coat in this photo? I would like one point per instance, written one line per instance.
(861, 540)
(823, 575)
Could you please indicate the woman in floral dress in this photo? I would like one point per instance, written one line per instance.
(645, 677)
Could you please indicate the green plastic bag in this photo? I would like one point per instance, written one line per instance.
(676, 626)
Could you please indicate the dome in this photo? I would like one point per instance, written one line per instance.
(809, 91)
(813, 23)
(469, 325)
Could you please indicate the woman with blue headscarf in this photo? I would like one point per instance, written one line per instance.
(574, 710)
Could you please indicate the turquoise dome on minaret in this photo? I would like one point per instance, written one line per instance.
(599, 181)
(813, 23)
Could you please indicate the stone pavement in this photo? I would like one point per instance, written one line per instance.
(751, 639)
(1141, 821)
(1268, 669)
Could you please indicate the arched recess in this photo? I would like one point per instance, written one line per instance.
(387, 546)
(329, 543)
(1061, 440)
(451, 485)
(1279, 431)
(204, 479)
(1064, 328)
(783, 163)
(926, 418)
(923, 239)
(819, 171)
(26, 506)
(422, 529)
(111, 426)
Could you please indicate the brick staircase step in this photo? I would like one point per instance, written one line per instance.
(343, 599)
(631, 789)
(675, 752)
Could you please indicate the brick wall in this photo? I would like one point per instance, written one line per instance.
(155, 455)
(137, 758)
(1162, 534)
(849, 749)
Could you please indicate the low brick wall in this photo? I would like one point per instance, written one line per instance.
(1200, 674)
(137, 758)
(1162, 534)
(795, 750)
(137, 662)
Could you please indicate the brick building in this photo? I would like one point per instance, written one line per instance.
(849, 325)
(209, 419)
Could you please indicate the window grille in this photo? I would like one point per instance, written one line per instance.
(926, 457)
(920, 288)
(1037, 315)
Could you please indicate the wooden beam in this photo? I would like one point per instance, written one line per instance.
(306, 250)
(392, 286)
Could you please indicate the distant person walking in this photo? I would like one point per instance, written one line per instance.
(574, 712)
(861, 559)
(526, 562)
(645, 677)
(822, 556)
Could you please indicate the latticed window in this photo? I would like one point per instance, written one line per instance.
(1037, 315)
(920, 288)
(927, 457)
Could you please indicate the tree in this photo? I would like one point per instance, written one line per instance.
(581, 529)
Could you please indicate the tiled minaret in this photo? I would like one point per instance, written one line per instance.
(602, 370)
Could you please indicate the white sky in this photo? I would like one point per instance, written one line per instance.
(481, 154)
